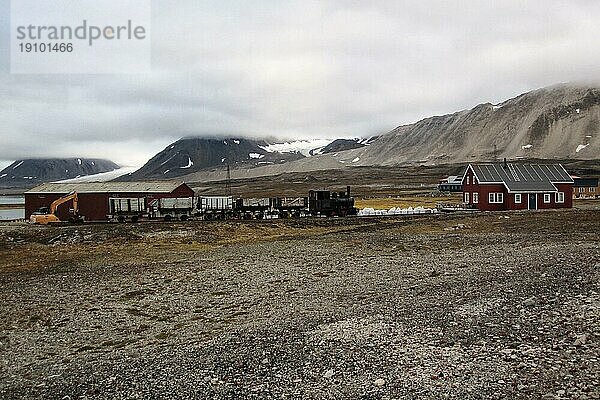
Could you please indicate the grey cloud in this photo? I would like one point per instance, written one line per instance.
(300, 68)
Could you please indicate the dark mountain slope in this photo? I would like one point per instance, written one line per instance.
(189, 155)
(31, 172)
(341, 145)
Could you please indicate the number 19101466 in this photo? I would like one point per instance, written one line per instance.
(46, 47)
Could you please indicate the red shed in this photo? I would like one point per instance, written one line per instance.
(97, 198)
(517, 186)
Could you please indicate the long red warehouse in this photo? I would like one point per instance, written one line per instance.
(94, 197)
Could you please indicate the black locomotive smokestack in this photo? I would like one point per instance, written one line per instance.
(348, 191)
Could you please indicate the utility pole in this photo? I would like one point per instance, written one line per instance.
(228, 182)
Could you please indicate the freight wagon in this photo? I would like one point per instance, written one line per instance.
(215, 207)
(126, 208)
(255, 208)
(173, 208)
(291, 207)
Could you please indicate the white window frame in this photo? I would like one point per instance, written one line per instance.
(496, 198)
(468, 180)
(560, 197)
(546, 198)
(466, 198)
(592, 189)
(475, 197)
(518, 198)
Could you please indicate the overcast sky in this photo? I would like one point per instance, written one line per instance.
(298, 69)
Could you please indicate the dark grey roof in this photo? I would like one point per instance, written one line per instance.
(531, 186)
(522, 177)
(107, 187)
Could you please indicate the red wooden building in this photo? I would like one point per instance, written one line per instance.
(517, 186)
(97, 198)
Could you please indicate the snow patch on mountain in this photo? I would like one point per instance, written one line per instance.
(581, 147)
(101, 177)
(303, 147)
(189, 164)
(170, 158)
(367, 141)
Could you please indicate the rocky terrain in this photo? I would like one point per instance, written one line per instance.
(28, 173)
(486, 306)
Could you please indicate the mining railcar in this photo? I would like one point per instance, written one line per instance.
(126, 208)
(215, 207)
(173, 208)
(291, 207)
(254, 208)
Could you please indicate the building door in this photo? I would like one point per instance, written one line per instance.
(532, 201)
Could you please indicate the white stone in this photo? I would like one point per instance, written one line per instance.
(379, 382)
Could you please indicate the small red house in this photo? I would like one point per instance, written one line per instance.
(517, 186)
(95, 198)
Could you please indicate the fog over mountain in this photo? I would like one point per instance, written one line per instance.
(298, 69)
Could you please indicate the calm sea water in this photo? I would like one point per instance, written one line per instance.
(12, 200)
(12, 213)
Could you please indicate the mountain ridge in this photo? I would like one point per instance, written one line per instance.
(27, 173)
(554, 123)
(545, 123)
(193, 154)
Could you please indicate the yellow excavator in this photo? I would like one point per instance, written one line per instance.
(45, 216)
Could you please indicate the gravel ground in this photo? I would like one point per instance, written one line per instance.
(479, 307)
